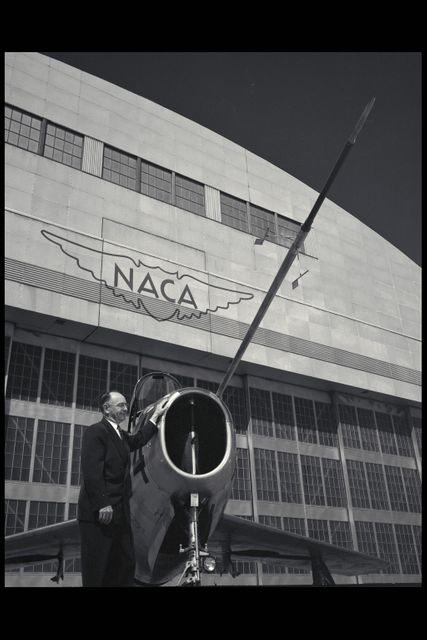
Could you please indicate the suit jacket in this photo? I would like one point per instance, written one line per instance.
(105, 463)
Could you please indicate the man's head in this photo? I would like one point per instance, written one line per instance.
(114, 406)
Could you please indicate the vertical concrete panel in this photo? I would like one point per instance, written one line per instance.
(213, 204)
(92, 156)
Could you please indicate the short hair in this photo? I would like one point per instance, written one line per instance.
(103, 399)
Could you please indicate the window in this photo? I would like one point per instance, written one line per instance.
(44, 513)
(334, 483)
(386, 433)
(190, 195)
(387, 546)
(418, 433)
(22, 129)
(51, 459)
(358, 485)
(156, 182)
(306, 426)
(366, 538)
(18, 447)
(407, 549)
(368, 431)
(403, 436)
(283, 416)
(318, 529)
(312, 480)
(63, 146)
(395, 488)
(92, 382)
(261, 220)
(241, 489)
(234, 398)
(326, 424)
(24, 371)
(262, 419)
(288, 231)
(341, 534)
(266, 475)
(77, 449)
(416, 530)
(119, 167)
(377, 486)
(412, 483)
(350, 431)
(234, 212)
(290, 483)
(123, 378)
(58, 377)
(14, 520)
(271, 521)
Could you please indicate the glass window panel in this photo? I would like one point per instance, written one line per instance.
(283, 416)
(60, 144)
(241, 489)
(403, 436)
(358, 484)
(92, 382)
(341, 534)
(349, 427)
(266, 475)
(288, 230)
(14, 520)
(234, 398)
(306, 426)
(407, 549)
(190, 195)
(262, 419)
(18, 447)
(312, 479)
(334, 483)
(386, 433)
(368, 430)
(377, 486)
(289, 477)
(395, 488)
(387, 546)
(24, 371)
(366, 538)
(412, 483)
(51, 461)
(58, 377)
(234, 212)
(326, 424)
(261, 220)
(318, 529)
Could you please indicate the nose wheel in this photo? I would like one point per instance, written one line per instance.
(190, 577)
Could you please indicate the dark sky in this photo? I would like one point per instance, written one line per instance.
(296, 110)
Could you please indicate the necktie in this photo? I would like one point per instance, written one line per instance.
(119, 431)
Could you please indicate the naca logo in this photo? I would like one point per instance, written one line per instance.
(163, 294)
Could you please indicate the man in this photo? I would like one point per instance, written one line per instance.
(107, 552)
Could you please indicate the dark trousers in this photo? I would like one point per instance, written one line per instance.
(107, 553)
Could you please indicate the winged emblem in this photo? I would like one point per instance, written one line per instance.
(161, 293)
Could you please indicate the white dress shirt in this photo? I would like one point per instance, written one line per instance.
(115, 425)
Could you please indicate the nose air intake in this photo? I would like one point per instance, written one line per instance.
(196, 433)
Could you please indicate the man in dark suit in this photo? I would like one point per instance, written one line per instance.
(107, 552)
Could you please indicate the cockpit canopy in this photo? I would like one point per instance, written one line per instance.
(150, 389)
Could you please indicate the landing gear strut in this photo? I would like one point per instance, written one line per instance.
(192, 570)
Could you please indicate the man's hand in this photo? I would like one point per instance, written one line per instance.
(159, 410)
(106, 515)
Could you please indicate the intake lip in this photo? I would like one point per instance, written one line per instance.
(203, 413)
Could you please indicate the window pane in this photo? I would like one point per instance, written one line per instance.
(306, 426)
(58, 377)
(290, 483)
(51, 461)
(312, 480)
(234, 212)
(24, 371)
(60, 144)
(18, 447)
(92, 382)
(20, 128)
(266, 475)
(241, 489)
(190, 195)
(262, 419)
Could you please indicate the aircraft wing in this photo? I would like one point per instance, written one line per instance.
(246, 540)
(45, 543)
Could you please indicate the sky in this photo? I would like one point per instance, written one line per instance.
(296, 110)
